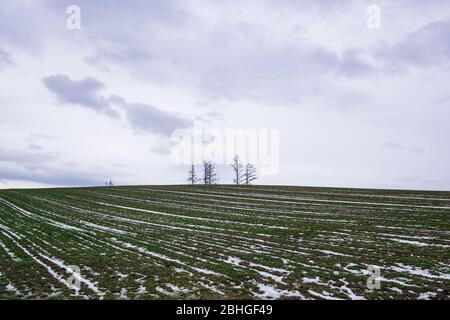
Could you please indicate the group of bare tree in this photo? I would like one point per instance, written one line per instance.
(109, 183)
(209, 174)
(243, 174)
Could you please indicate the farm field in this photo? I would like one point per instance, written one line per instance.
(223, 242)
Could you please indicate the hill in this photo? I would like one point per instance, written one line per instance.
(268, 242)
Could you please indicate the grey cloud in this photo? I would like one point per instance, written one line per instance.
(320, 5)
(210, 117)
(215, 115)
(392, 145)
(352, 65)
(231, 61)
(427, 46)
(45, 167)
(121, 23)
(396, 146)
(142, 117)
(55, 176)
(442, 100)
(122, 56)
(417, 150)
(19, 24)
(83, 92)
(42, 136)
(276, 74)
(34, 141)
(34, 146)
(236, 62)
(147, 118)
(27, 158)
(348, 64)
(162, 150)
(29, 25)
(36, 138)
(5, 59)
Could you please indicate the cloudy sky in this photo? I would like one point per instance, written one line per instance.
(355, 106)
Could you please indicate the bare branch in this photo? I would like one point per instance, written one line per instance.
(238, 169)
(250, 174)
(192, 175)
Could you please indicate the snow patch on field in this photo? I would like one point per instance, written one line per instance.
(355, 271)
(345, 289)
(163, 257)
(334, 253)
(77, 276)
(103, 228)
(311, 280)
(418, 243)
(324, 295)
(141, 290)
(212, 288)
(270, 272)
(419, 272)
(400, 291)
(121, 275)
(414, 243)
(175, 290)
(123, 294)
(271, 292)
(233, 260)
(11, 288)
(427, 296)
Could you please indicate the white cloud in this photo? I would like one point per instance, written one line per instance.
(311, 69)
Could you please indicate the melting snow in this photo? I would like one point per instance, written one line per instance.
(271, 292)
(419, 272)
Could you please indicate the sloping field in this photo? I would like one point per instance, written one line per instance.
(171, 242)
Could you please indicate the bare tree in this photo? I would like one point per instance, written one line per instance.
(209, 173)
(212, 173)
(250, 174)
(192, 175)
(238, 169)
(205, 172)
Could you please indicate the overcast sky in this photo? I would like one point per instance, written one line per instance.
(355, 106)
